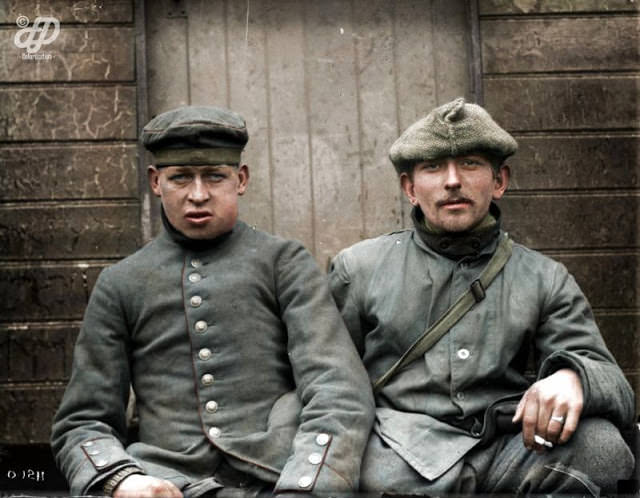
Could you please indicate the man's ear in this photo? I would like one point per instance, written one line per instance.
(154, 176)
(501, 182)
(408, 188)
(243, 179)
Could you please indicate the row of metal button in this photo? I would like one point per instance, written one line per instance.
(205, 353)
(314, 459)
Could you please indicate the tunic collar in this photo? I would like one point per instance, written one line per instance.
(455, 245)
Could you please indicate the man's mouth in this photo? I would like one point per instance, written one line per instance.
(198, 217)
(455, 203)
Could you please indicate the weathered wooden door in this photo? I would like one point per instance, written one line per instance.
(326, 87)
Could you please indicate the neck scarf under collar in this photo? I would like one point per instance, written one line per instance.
(455, 245)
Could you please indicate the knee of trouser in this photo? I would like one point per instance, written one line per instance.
(601, 453)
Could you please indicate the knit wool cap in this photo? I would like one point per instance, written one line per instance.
(453, 129)
(196, 135)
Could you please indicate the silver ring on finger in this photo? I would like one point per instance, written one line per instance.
(558, 418)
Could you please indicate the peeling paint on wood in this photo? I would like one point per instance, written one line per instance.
(79, 11)
(68, 231)
(69, 172)
(77, 54)
(575, 44)
(68, 113)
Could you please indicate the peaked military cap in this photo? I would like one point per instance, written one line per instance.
(453, 129)
(196, 135)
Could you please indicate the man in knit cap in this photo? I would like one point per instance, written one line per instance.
(455, 411)
(245, 378)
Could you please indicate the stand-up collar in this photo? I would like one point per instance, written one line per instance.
(456, 245)
(189, 243)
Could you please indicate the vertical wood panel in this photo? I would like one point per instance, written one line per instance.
(207, 53)
(326, 87)
(334, 126)
(288, 130)
(167, 53)
(382, 205)
(248, 80)
(450, 40)
(416, 73)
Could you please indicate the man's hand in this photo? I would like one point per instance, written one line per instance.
(142, 486)
(551, 409)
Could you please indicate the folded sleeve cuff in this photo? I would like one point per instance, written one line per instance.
(566, 359)
(99, 459)
(309, 468)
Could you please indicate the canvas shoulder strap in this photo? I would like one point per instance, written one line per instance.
(464, 303)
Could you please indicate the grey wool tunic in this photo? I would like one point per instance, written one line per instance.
(234, 350)
(391, 288)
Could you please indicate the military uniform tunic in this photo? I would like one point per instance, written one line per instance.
(234, 350)
(391, 288)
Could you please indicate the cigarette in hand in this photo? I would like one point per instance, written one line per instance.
(542, 442)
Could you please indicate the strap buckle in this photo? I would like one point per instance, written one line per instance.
(477, 289)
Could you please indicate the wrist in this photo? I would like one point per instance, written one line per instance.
(114, 480)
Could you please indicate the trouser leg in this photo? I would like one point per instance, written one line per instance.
(594, 459)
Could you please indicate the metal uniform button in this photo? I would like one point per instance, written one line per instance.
(196, 263)
(215, 432)
(196, 301)
(201, 326)
(207, 379)
(315, 458)
(305, 481)
(322, 439)
(463, 354)
(211, 406)
(87, 444)
(460, 396)
(194, 277)
(204, 354)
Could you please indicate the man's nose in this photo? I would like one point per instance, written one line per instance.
(198, 192)
(453, 175)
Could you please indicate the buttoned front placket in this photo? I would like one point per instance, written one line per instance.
(461, 351)
(200, 321)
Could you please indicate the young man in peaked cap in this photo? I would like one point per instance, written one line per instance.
(245, 378)
(459, 416)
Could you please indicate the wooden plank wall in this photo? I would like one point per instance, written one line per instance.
(562, 76)
(69, 199)
(325, 87)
